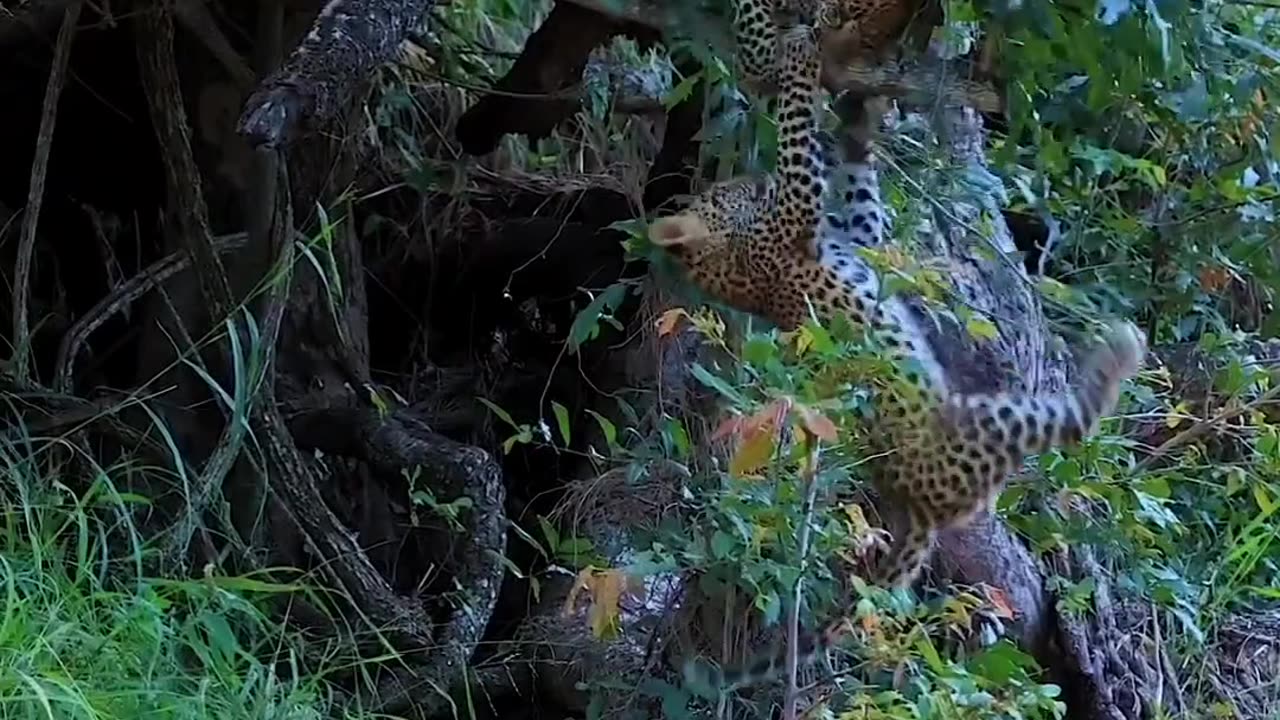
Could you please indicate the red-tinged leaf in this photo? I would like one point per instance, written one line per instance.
(770, 417)
(1000, 601)
(731, 425)
(1214, 279)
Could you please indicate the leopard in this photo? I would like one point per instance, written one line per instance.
(786, 247)
(851, 32)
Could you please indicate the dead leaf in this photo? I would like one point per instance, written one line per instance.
(818, 425)
(1214, 279)
(667, 323)
(771, 416)
(870, 623)
(1000, 601)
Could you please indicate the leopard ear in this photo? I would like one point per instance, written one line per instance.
(676, 230)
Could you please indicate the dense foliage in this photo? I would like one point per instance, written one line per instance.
(1146, 139)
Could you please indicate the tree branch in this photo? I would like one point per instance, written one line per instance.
(186, 201)
(399, 442)
(35, 190)
(124, 295)
(347, 42)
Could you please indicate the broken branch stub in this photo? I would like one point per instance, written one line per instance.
(347, 42)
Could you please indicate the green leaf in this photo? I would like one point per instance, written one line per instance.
(1002, 662)
(758, 351)
(610, 432)
(550, 533)
(717, 384)
(562, 420)
(981, 328)
(502, 414)
(586, 325)
(770, 604)
(678, 437)
(722, 545)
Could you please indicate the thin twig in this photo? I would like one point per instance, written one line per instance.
(792, 696)
(35, 191)
(1204, 426)
(124, 295)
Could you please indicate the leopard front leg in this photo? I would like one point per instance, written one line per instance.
(801, 168)
(756, 37)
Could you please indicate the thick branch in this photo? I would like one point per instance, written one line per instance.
(399, 442)
(296, 486)
(349, 40)
(186, 201)
(538, 91)
(35, 190)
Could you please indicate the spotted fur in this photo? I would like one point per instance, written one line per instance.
(851, 31)
(766, 246)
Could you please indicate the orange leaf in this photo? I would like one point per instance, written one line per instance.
(1000, 601)
(1214, 279)
(770, 416)
(605, 600)
(667, 323)
(580, 583)
(818, 425)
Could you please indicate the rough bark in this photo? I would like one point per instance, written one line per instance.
(347, 42)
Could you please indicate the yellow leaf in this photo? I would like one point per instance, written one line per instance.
(760, 535)
(1177, 415)
(605, 602)
(580, 583)
(754, 452)
(803, 339)
(709, 325)
(606, 588)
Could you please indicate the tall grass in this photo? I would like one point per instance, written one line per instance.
(85, 633)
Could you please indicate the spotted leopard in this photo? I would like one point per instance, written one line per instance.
(852, 31)
(766, 246)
